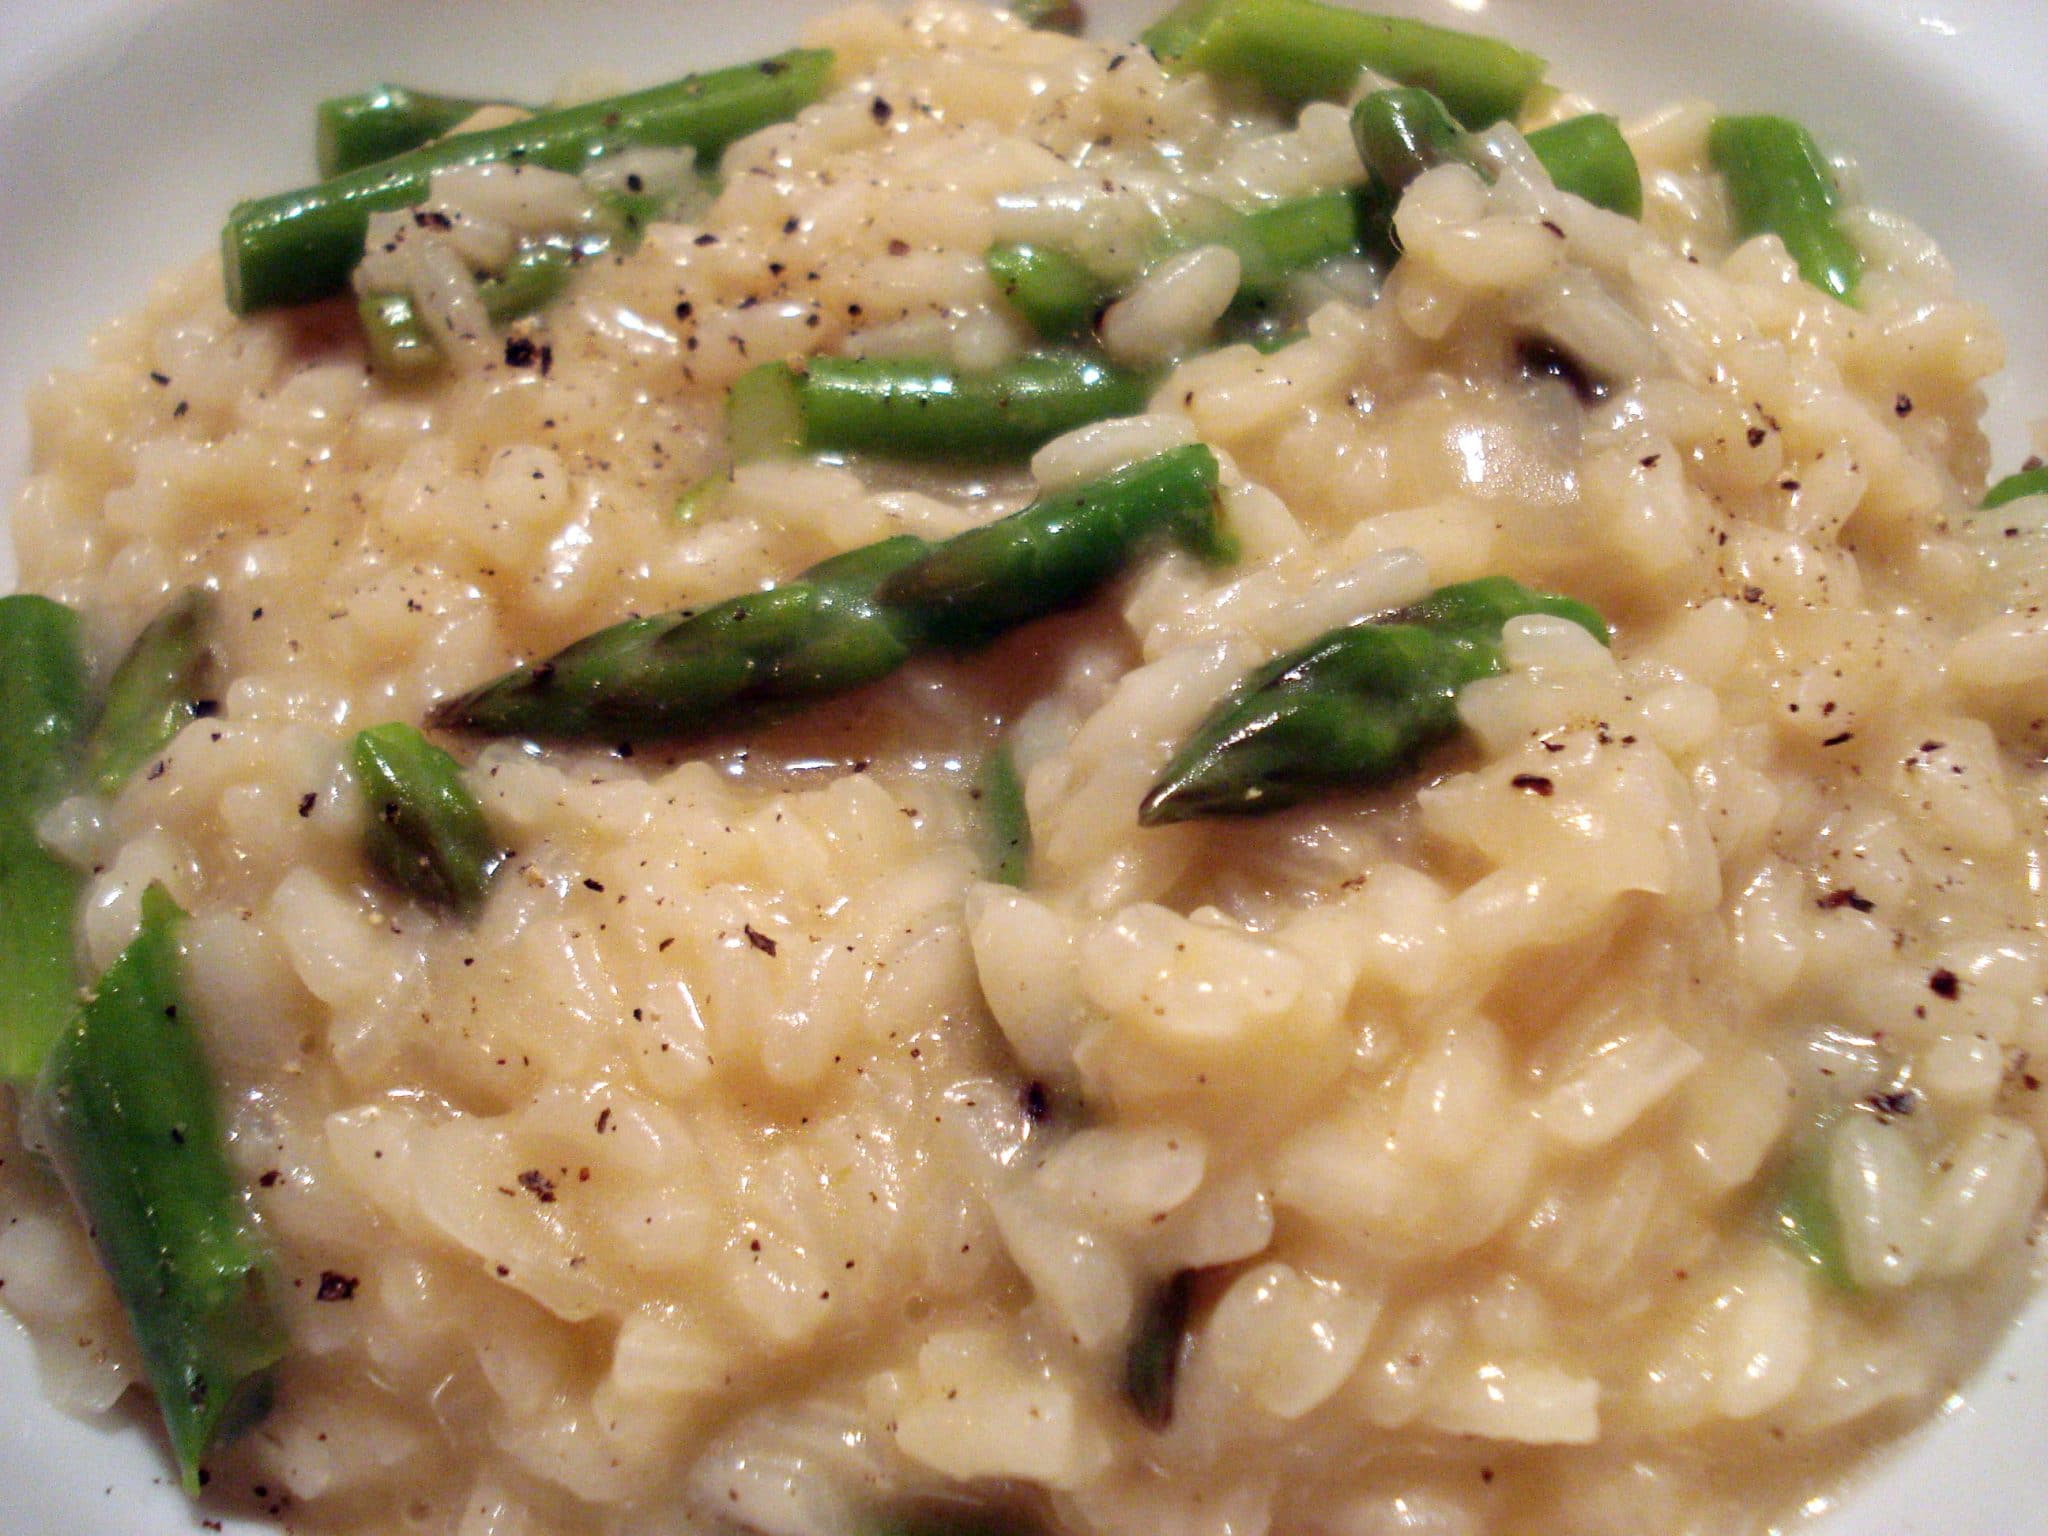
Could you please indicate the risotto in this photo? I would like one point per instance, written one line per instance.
(1610, 1116)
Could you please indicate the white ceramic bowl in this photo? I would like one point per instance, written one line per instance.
(127, 127)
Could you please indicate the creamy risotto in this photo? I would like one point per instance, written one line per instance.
(1613, 1125)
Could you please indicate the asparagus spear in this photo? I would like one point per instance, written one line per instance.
(1404, 131)
(2025, 482)
(1001, 794)
(917, 408)
(156, 691)
(1779, 183)
(1061, 296)
(1588, 157)
(43, 710)
(399, 341)
(1351, 709)
(302, 245)
(850, 620)
(1300, 51)
(426, 832)
(679, 674)
(136, 1135)
(1058, 550)
(1054, 290)
(350, 132)
(1803, 1218)
(1153, 1359)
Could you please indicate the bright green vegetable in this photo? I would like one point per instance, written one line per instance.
(851, 619)
(682, 674)
(1352, 709)
(301, 245)
(1058, 293)
(1781, 184)
(1588, 157)
(425, 830)
(351, 132)
(1058, 550)
(919, 409)
(1061, 296)
(1404, 131)
(400, 342)
(1152, 1359)
(135, 1132)
(43, 711)
(1803, 1218)
(2025, 482)
(1000, 793)
(1300, 51)
(158, 689)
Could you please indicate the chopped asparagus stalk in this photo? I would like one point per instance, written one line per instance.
(425, 830)
(135, 1132)
(158, 689)
(1300, 51)
(351, 132)
(1055, 291)
(301, 245)
(1351, 709)
(2025, 482)
(1587, 157)
(852, 619)
(43, 710)
(914, 408)
(1781, 184)
(1001, 794)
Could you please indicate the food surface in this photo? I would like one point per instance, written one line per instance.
(984, 781)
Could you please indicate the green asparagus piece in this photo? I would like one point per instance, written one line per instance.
(2025, 482)
(135, 1132)
(1001, 793)
(426, 832)
(43, 713)
(351, 132)
(1061, 296)
(1403, 132)
(917, 408)
(1049, 15)
(851, 619)
(1055, 291)
(681, 674)
(1352, 709)
(1588, 157)
(400, 342)
(1152, 1360)
(1275, 243)
(1301, 51)
(1058, 550)
(301, 245)
(157, 690)
(1802, 1216)
(1779, 183)
(395, 337)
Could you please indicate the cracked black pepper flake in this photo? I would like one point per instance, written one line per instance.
(760, 940)
(1535, 783)
(1945, 984)
(335, 1286)
(1846, 897)
(539, 1185)
(521, 352)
